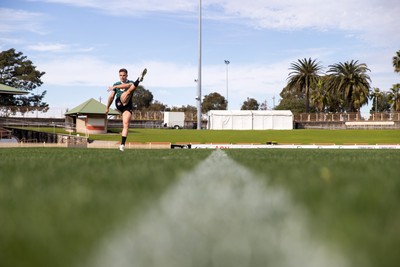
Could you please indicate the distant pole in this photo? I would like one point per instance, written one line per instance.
(227, 102)
(198, 97)
(37, 101)
(273, 102)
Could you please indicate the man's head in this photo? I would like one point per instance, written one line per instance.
(123, 75)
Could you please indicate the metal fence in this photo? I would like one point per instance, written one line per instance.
(5, 134)
(385, 116)
(343, 117)
(159, 115)
(58, 112)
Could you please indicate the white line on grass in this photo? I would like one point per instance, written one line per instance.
(221, 215)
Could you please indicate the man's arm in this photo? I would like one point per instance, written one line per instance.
(120, 86)
(110, 100)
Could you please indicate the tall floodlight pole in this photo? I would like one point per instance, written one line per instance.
(227, 102)
(198, 98)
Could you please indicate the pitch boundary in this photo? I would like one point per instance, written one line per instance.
(293, 146)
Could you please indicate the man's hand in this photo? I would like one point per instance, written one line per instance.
(107, 109)
(110, 88)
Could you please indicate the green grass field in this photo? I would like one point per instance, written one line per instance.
(57, 204)
(306, 136)
(351, 196)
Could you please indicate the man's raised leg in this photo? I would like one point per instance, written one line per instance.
(125, 97)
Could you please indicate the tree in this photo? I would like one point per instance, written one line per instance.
(351, 81)
(213, 101)
(19, 72)
(304, 76)
(250, 104)
(190, 111)
(394, 97)
(156, 106)
(380, 101)
(396, 62)
(142, 98)
(187, 108)
(334, 103)
(318, 97)
(293, 100)
(324, 100)
(296, 105)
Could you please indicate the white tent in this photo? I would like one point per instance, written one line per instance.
(250, 120)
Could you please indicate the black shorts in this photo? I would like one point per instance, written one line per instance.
(122, 108)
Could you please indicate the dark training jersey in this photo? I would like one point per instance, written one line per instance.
(118, 91)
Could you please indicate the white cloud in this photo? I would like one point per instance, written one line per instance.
(131, 8)
(12, 20)
(76, 71)
(170, 82)
(373, 20)
(90, 71)
(41, 47)
(58, 47)
(5, 43)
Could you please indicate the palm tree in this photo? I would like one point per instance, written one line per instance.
(304, 76)
(396, 62)
(394, 97)
(381, 101)
(318, 97)
(351, 81)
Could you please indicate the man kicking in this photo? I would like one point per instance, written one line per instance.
(123, 91)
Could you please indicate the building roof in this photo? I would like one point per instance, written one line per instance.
(5, 89)
(91, 107)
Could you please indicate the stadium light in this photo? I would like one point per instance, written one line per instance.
(198, 97)
(227, 102)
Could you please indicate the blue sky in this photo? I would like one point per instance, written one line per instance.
(82, 44)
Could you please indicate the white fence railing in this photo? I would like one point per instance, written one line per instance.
(344, 117)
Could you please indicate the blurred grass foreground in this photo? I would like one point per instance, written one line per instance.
(61, 207)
